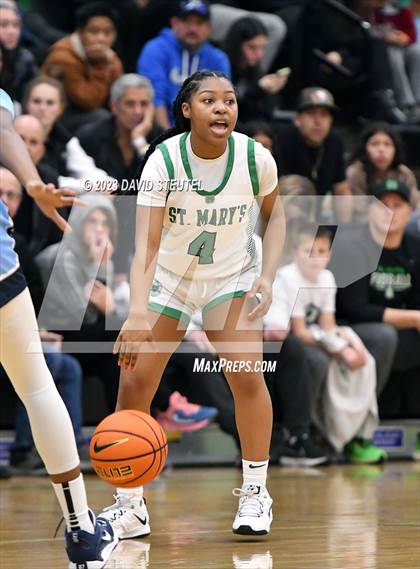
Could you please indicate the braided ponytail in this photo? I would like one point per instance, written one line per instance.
(182, 124)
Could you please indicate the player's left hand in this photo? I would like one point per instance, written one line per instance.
(48, 198)
(263, 287)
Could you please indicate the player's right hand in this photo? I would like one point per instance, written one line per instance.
(48, 198)
(134, 333)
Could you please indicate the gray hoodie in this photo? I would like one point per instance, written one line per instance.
(66, 268)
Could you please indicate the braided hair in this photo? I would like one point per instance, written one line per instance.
(182, 124)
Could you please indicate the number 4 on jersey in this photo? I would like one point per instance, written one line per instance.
(203, 247)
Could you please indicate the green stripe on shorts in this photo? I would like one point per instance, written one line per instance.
(168, 311)
(220, 299)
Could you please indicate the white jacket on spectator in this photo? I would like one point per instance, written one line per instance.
(348, 407)
(83, 170)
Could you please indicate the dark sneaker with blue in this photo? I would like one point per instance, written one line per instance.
(91, 550)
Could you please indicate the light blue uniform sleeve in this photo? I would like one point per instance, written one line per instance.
(7, 103)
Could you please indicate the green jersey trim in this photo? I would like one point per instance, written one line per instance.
(228, 171)
(168, 162)
(252, 167)
(168, 311)
(223, 298)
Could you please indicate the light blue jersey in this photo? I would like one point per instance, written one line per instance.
(9, 261)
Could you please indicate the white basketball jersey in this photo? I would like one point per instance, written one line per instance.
(208, 224)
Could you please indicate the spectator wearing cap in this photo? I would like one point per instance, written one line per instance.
(84, 61)
(390, 295)
(177, 53)
(311, 149)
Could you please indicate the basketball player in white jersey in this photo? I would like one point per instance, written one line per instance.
(194, 251)
(89, 542)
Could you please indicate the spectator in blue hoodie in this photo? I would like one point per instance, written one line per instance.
(177, 53)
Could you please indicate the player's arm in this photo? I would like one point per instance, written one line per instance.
(15, 157)
(273, 227)
(149, 223)
(136, 330)
(14, 154)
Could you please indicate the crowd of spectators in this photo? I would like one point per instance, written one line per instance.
(93, 83)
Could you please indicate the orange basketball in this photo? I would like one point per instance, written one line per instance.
(128, 449)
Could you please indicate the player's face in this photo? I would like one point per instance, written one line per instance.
(379, 217)
(98, 34)
(253, 50)
(380, 149)
(132, 106)
(32, 135)
(314, 124)
(96, 228)
(312, 256)
(10, 191)
(213, 110)
(10, 28)
(44, 103)
(191, 31)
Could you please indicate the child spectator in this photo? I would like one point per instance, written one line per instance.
(85, 62)
(305, 290)
(378, 155)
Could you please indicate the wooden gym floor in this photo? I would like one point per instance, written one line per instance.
(339, 517)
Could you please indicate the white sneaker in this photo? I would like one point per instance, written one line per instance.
(255, 561)
(254, 514)
(128, 516)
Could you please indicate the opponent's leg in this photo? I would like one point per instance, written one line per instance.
(89, 545)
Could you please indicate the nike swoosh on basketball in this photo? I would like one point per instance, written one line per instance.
(256, 465)
(141, 520)
(99, 448)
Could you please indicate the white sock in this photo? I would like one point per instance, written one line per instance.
(72, 498)
(136, 492)
(255, 472)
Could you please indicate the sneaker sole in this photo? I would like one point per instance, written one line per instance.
(133, 534)
(106, 554)
(247, 530)
(367, 461)
(289, 461)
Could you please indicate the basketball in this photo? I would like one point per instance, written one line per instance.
(128, 449)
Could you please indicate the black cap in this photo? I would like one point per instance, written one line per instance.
(198, 7)
(315, 97)
(391, 185)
